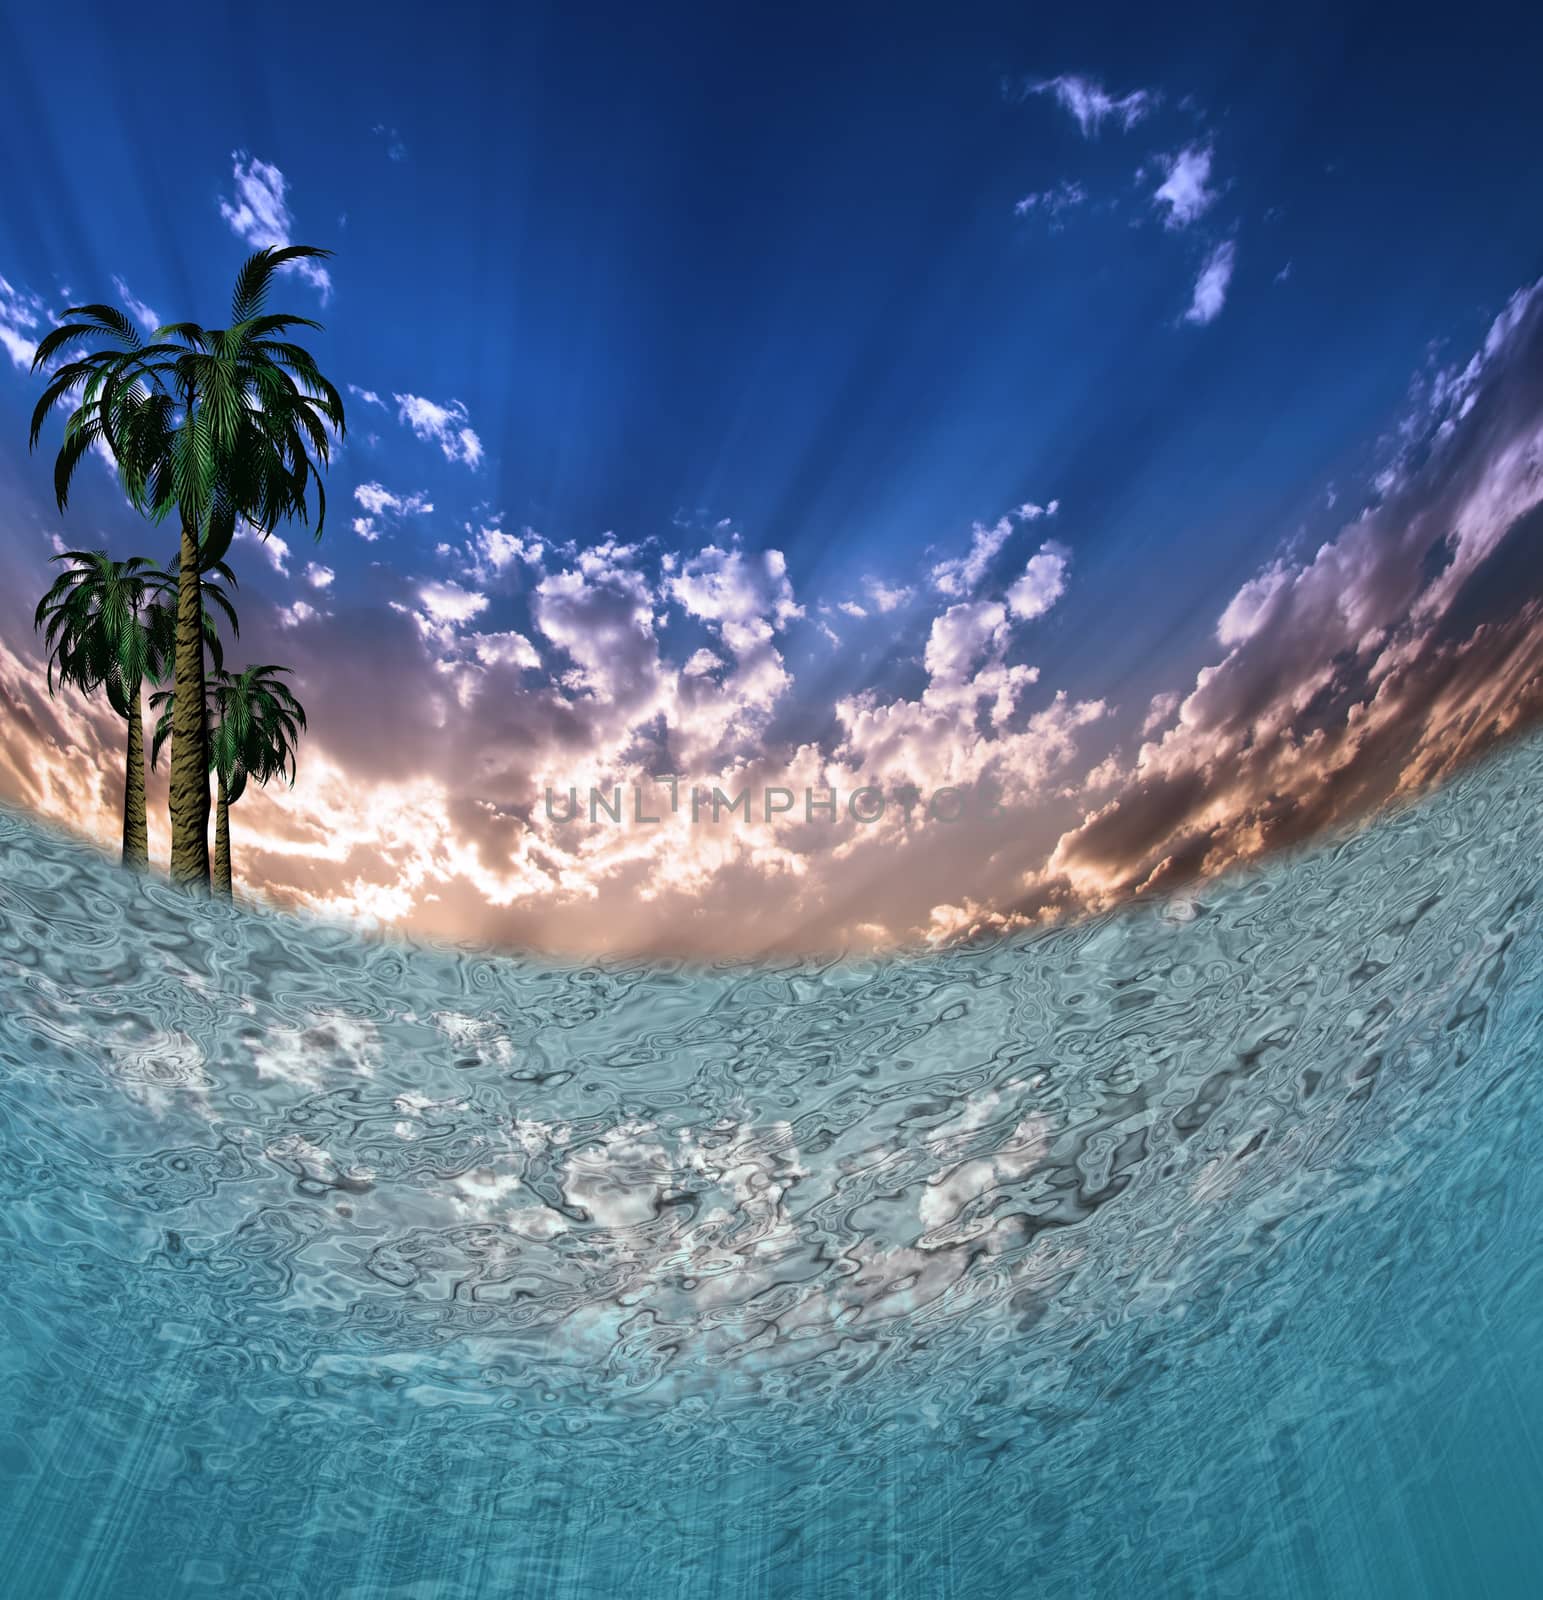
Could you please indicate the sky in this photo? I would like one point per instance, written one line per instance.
(1127, 421)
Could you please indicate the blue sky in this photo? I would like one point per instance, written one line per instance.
(841, 282)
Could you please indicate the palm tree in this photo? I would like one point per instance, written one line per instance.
(111, 625)
(107, 626)
(214, 426)
(255, 722)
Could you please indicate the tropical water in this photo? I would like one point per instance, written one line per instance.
(1193, 1250)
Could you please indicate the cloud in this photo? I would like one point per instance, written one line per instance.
(1365, 672)
(273, 546)
(442, 609)
(1052, 203)
(396, 149)
(376, 498)
(1160, 709)
(21, 316)
(748, 596)
(960, 575)
(490, 551)
(318, 576)
(600, 614)
(1091, 104)
(147, 319)
(745, 599)
(368, 396)
(450, 603)
(1184, 189)
(297, 612)
(260, 215)
(379, 501)
(887, 597)
(1042, 584)
(959, 639)
(448, 426)
(1211, 286)
(505, 649)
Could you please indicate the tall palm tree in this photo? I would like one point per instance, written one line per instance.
(112, 625)
(255, 723)
(214, 426)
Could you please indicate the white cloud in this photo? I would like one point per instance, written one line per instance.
(505, 649)
(448, 426)
(376, 498)
(1091, 104)
(450, 603)
(291, 616)
(379, 501)
(21, 312)
(491, 551)
(443, 608)
(1250, 608)
(1042, 584)
(959, 575)
(1052, 203)
(960, 637)
(701, 665)
(600, 612)
(886, 597)
(1211, 286)
(369, 396)
(1159, 709)
(318, 576)
(851, 608)
(260, 215)
(748, 597)
(1184, 189)
(147, 319)
(273, 547)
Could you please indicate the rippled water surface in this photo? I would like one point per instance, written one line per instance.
(1189, 1251)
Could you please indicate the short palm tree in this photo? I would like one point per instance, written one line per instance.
(255, 723)
(108, 626)
(112, 625)
(213, 426)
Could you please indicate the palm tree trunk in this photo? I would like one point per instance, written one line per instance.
(136, 842)
(189, 798)
(222, 843)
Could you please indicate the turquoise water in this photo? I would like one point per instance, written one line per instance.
(1189, 1251)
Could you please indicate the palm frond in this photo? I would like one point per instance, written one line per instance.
(257, 272)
